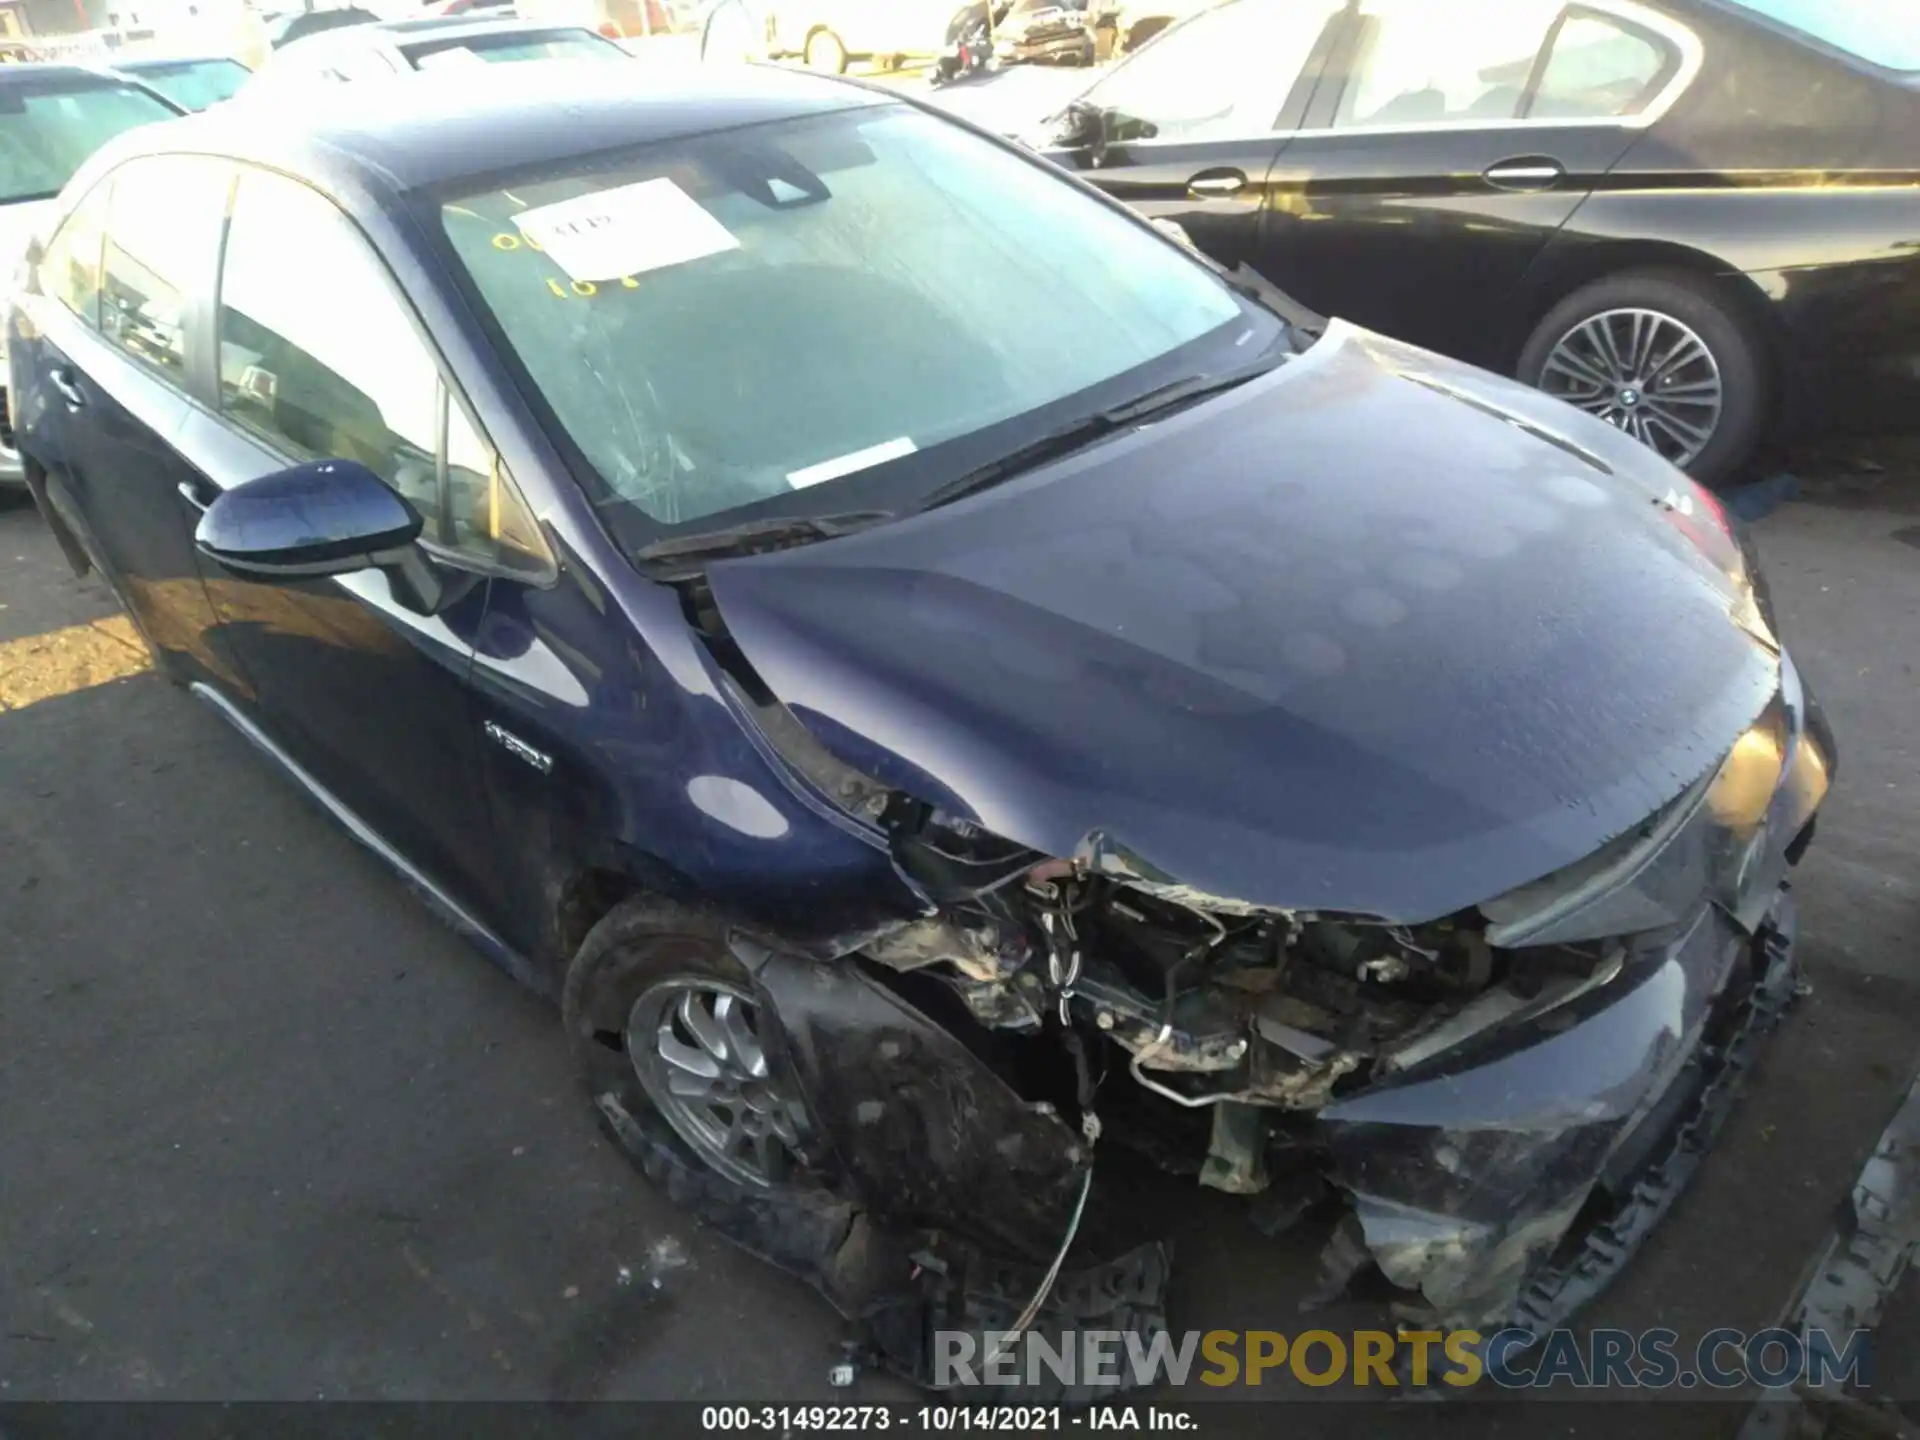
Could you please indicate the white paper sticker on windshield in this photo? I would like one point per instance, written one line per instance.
(624, 231)
(847, 464)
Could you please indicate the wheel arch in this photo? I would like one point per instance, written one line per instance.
(1565, 268)
(582, 899)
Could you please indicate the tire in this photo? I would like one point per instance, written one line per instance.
(646, 952)
(826, 53)
(1734, 357)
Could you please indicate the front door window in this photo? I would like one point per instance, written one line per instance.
(339, 371)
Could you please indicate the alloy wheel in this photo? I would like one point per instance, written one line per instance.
(696, 1046)
(1643, 372)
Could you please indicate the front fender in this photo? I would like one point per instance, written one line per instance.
(925, 1132)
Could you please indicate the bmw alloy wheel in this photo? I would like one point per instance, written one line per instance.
(695, 1044)
(1645, 373)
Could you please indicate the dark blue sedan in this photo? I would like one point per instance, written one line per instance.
(943, 683)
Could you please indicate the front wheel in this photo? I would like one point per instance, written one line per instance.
(663, 1019)
(1665, 358)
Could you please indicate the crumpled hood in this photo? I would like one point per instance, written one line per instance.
(1339, 640)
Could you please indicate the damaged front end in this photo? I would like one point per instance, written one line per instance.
(1508, 1096)
(1466, 908)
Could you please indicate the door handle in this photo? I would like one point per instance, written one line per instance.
(1532, 172)
(1217, 184)
(62, 380)
(190, 493)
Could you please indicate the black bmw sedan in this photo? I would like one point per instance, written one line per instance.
(942, 686)
(1697, 219)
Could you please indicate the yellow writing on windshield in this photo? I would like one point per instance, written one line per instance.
(584, 289)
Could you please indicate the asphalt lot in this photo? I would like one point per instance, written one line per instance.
(270, 1132)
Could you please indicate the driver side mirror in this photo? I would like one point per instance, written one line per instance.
(327, 517)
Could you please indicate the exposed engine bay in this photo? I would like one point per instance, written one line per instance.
(1207, 1003)
(1506, 1097)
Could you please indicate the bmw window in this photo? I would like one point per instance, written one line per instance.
(1224, 74)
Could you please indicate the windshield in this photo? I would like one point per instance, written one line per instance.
(838, 311)
(195, 84)
(507, 46)
(1879, 32)
(49, 127)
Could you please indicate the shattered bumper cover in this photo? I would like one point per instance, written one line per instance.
(1504, 1198)
(1507, 1180)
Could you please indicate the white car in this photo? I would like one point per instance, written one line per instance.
(52, 117)
(388, 48)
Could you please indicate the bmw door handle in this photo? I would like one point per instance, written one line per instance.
(1216, 184)
(1527, 172)
(62, 380)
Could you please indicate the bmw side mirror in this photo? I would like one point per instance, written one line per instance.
(328, 517)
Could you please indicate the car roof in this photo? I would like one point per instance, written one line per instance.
(443, 126)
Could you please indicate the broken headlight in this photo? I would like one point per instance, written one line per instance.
(1704, 845)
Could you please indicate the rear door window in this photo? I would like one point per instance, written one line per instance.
(1423, 63)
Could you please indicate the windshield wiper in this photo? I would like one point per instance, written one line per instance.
(681, 557)
(1156, 403)
(1256, 287)
(1060, 443)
